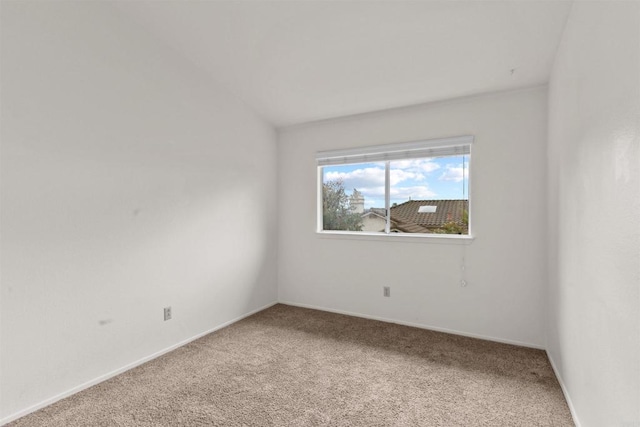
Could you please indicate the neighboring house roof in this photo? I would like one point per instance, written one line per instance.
(406, 217)
(410, 220)
(409, 227)
(378, 211)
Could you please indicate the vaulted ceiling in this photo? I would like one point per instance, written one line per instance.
(298, 61)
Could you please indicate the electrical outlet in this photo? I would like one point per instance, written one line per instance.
(167, 313)
(386, 291)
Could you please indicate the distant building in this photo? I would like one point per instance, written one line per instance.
(356, 201)
(374, 220)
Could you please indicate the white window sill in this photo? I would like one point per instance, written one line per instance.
(447, 239)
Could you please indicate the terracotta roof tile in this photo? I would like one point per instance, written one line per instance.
(406, 214)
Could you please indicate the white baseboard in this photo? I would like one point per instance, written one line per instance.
(572, 409)
(125, 368)
(155, 355)
(417, 325)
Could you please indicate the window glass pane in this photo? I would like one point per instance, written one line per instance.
(353, 197)
(430, 195)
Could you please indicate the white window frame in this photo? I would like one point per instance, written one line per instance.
(417, 149)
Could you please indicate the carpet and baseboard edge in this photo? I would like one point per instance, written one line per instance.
(565, 392)
(101, 378)
(416, 325)
(157, 354)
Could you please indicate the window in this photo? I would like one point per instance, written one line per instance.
(417, 188)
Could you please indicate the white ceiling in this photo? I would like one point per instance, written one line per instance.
(298, 61)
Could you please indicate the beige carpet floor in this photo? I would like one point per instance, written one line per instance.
(288, 366)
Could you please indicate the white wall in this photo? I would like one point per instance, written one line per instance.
(505, 265)
(129, 183)
(594, 213)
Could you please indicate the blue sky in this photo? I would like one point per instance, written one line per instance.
(415, 179)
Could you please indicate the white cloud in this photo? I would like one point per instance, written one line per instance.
(419, 192)
(401, 171)
(396, 176)
(359, 178)
(454, 173)
(370, 180)
(373, 191)
(371, 177)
